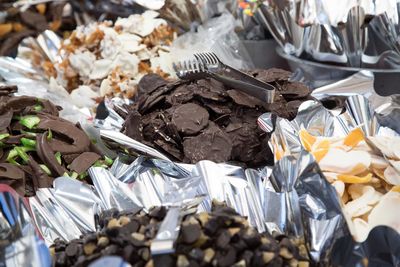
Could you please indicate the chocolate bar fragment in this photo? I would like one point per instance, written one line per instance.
(204, 120)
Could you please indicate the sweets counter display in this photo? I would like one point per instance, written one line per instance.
(108, 158)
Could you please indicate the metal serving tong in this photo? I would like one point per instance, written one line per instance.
(208, 65)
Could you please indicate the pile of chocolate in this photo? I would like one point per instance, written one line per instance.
(37, 146)
(204, 120)
(37, 18)
(220, 238)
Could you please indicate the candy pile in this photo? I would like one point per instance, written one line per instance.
(102, 59)
(204, 120)
(220, 238)
(366, 174)
(37, 146)
(19, 24)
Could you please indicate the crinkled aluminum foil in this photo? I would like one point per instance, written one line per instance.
(303, 204)
(20, 244)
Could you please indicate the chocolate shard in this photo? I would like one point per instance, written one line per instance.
(12, 176)
(80, 141)
(190, 118)
(243, 99)
(151, 82)
(47, 155)
(133, 126)
(213, 144)
(42, 178)
(84, 161)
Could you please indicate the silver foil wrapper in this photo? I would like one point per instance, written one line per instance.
(20, 244)
(303, 205)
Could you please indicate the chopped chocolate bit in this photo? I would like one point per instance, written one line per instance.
(83, 162)
(42, 178)
(223, 240)
(158, 213)
(70, 158)
(190, 118)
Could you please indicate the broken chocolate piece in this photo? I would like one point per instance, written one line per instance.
(190, 118)
(151, 82)
(213, 144)
(83, 162)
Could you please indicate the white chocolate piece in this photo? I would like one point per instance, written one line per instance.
(339, 161)
(392, 176)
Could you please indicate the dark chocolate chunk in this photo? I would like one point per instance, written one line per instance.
(295, 90)
(80, 141)
(151, 82)
(83, 162)
(9, 46)
(213, 144)
(243, 99)
(182, 94)
(190, 118)
(133, 126)
(271, 75)
(12, 176)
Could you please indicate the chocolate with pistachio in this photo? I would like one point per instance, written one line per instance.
(204, 120)
(36, 145)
